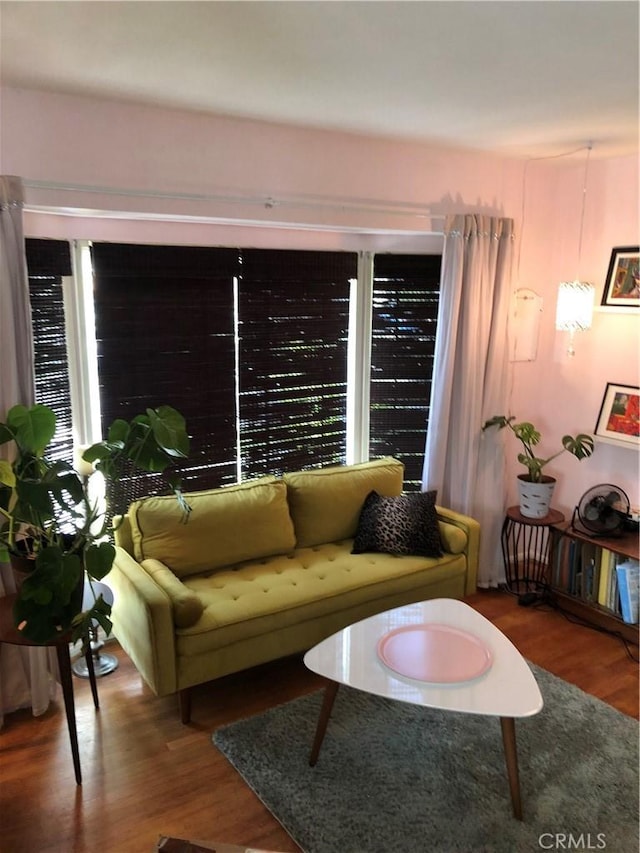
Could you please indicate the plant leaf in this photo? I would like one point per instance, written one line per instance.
(118, 432)
(581, 446)
(169, 431)
(34, 502)
(68, 483)
(96, 452)
(33, 428)
(5, 434)
(6, 474)
(501, 421)
(99, 559)
(527, 433)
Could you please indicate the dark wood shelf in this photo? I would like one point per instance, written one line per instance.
(627, 545)
(595, 614)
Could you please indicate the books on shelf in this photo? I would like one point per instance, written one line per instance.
(589, 572)
(628, 574)
(607, 565)
(596, 578)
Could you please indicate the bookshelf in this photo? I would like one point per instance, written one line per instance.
(582, 576)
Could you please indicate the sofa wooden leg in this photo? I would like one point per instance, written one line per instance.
(184, 700)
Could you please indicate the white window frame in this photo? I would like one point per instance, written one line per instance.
(82, 349)
(359, 360)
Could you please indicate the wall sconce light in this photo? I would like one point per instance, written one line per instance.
(574, 310)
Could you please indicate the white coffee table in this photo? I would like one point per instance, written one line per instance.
(507, 689)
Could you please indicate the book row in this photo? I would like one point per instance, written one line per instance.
(597, 576)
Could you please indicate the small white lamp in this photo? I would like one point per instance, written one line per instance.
(574, 310)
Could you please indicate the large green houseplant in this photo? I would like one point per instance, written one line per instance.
(52, 530)
(535, 487)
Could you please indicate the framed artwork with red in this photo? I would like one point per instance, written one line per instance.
(622, 287)
(619, 418)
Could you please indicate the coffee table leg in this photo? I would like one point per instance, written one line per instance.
(511, 756)
(325, 713)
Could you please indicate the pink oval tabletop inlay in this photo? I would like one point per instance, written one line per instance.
(438, 654)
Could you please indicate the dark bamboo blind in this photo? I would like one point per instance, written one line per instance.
(47, 262)
(405, 312)
(165, 320)
(165, 335)
(260, 372)
(294, 321)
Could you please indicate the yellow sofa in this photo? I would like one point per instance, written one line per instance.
(264, 569)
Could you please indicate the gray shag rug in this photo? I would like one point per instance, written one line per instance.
(395, 777)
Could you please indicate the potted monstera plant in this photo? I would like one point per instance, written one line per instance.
(52, 531)
(535, 488)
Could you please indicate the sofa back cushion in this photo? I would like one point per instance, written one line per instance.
(226, 526)
(325, 503)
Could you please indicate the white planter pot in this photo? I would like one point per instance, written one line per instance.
(535, 498)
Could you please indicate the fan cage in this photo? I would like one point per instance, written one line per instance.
(603, 509)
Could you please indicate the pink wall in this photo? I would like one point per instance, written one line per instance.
(76, 141)
(70, 140)
(559, 393)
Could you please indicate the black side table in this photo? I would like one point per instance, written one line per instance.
(10, 634)
(526, 549)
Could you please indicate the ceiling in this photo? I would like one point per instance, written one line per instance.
(516, 78)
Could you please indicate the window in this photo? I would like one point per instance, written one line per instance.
(249, 345)
(165, 336)
(293, 313)
(253, 347)
(47, 262)
(403, 335)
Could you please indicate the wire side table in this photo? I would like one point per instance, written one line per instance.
(526, 549)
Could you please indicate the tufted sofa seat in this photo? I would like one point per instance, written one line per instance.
(190, 607)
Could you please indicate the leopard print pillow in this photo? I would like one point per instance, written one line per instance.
(406, 524)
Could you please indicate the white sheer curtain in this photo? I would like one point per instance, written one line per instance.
(25, 679)
(470, 379)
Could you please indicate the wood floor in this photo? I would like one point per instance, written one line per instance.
(145, 774)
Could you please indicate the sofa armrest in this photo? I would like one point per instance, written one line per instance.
(187, 607)
(143, 623)
(472, 530)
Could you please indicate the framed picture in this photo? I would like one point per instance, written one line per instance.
(619, 418)
(622, 287)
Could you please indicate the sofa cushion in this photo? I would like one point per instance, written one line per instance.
(226, 526)
(406, 524)
(260, 597)
(325, 503)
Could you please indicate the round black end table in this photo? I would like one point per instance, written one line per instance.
(526, 549)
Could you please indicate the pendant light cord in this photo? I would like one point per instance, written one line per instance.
(524, 192)
(584, 200)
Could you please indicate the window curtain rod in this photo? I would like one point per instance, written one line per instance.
(266, 201)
